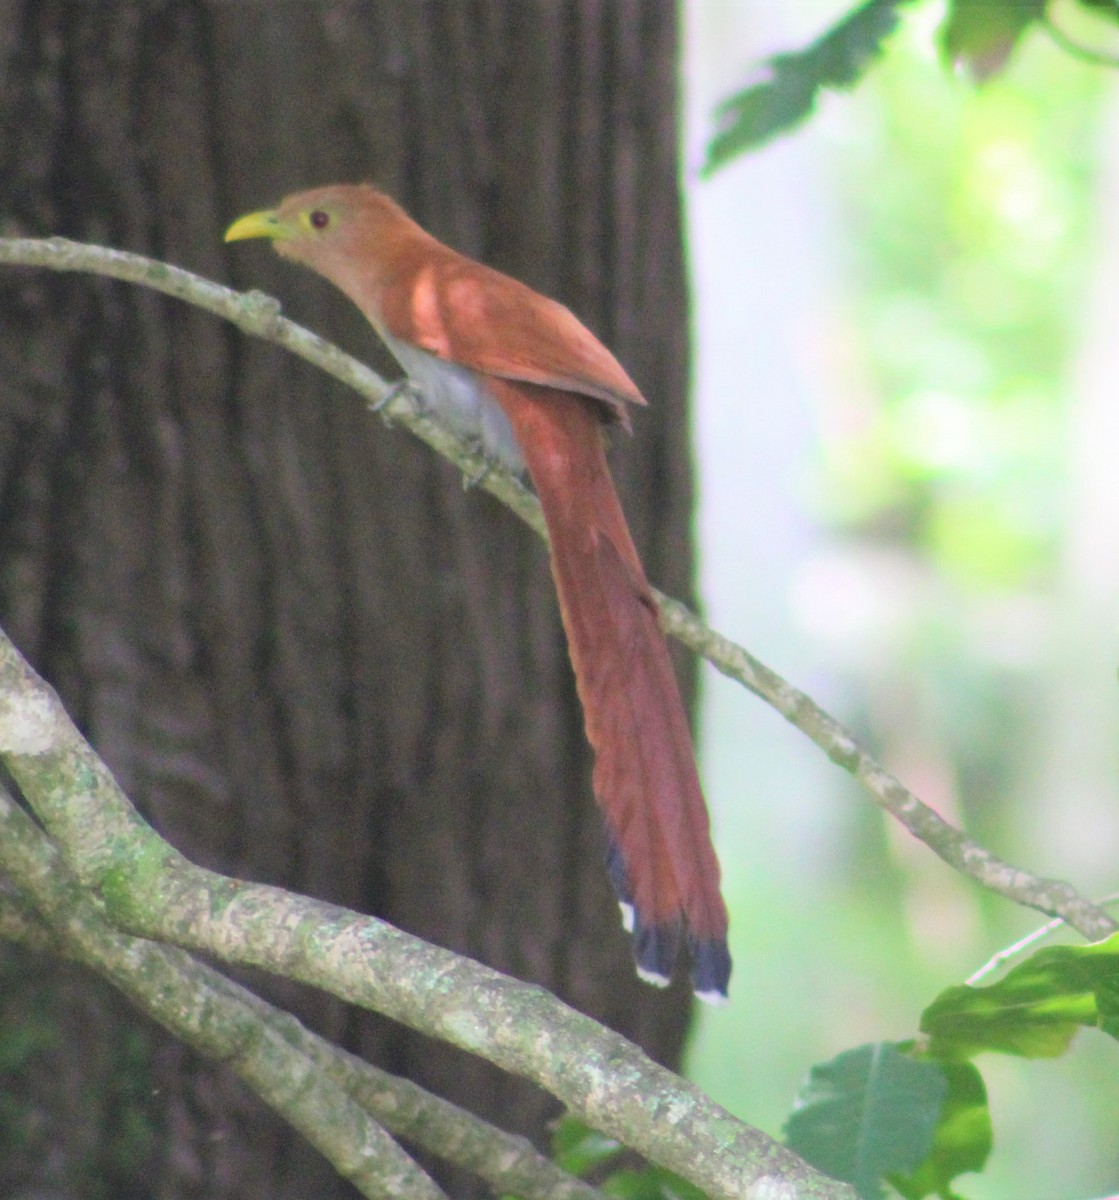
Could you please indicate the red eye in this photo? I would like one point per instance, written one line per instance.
(319, 219)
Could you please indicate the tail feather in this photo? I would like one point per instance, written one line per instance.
(654, 950)
(710, 969)
(619, 878)
(661, 859)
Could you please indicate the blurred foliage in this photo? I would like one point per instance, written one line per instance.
(1035, 1010)
(971, 255)
(789, 93)
(915, 1113)
(961, 1141)
(583, 1151)
(972, 246)
(870, 1112)
(887, 1112)
(976, 36)
(980, 36)
(966, 244)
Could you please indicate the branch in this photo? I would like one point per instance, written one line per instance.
(169, 986)
(20, 923)
(258, 314)
(148, 888)
(165, 984)
(1003, 956)
(1053, 897)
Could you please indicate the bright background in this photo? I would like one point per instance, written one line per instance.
(907, 422)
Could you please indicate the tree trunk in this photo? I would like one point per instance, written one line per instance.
(309, 656)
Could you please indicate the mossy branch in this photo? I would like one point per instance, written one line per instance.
(209, 1015)
(147, 888)
(267, 1047)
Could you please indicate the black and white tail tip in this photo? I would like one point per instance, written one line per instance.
(655, 947)
(710, 970)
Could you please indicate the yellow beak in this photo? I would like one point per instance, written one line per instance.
(258, 224)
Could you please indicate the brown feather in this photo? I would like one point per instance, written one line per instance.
(557, 385)
(423, 292)
(644, 775)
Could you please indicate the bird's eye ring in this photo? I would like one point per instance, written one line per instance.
(319, 219)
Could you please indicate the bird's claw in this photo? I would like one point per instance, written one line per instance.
(469, 482)
(402, 387)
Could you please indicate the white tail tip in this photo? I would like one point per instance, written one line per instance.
(653, 977)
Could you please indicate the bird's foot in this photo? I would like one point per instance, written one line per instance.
(469, 482)
(402, 387)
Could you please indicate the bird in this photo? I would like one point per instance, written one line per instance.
(521, 375)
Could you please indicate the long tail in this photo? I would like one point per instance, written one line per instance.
(661, 858)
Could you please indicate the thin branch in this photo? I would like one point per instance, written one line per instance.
(258, 314)
(149, 889)
(509, 1164)
(1053, 897)
(1004, 955)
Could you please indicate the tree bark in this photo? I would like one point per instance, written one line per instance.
(308, 655)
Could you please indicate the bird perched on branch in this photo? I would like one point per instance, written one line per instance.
(506, 365)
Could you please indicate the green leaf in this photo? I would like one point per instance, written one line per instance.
(653, 1183)
(578, 1148)
(869, 1113)
(838, 59)
(1104, 8)
(979, 36)
(962, 1140)
(1034, 1010)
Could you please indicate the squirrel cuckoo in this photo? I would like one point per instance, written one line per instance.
(518, 371)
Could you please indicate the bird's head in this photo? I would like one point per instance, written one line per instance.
(328, 229)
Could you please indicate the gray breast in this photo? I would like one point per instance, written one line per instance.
(461, 400)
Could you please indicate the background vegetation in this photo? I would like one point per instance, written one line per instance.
(938, 538)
